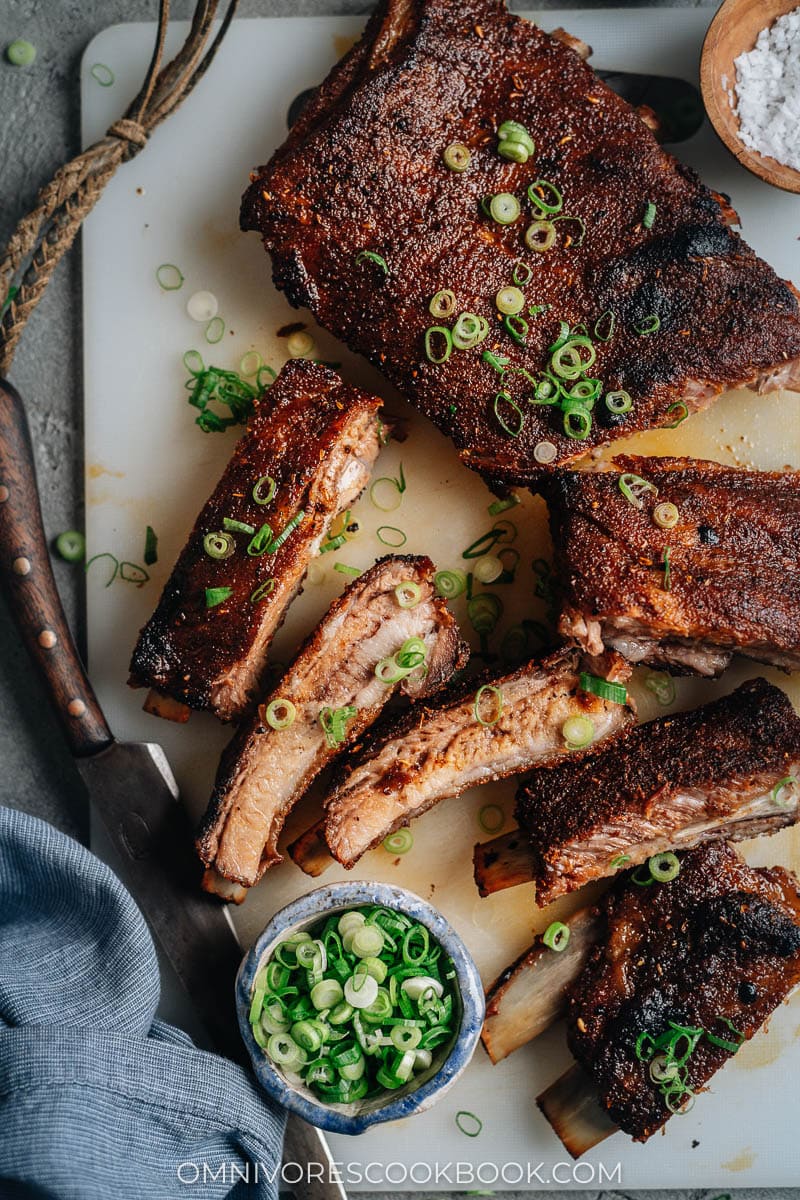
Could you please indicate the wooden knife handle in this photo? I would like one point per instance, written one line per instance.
(30, 589)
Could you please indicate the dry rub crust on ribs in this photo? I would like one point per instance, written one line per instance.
(410, 762)
(721, 941)
(362, 170)
(265, 771)
(318, 439)
(669, 783)
(734, 564)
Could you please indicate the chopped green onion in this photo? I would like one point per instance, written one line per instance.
(457, 157)
(259, 543)
(265, 377)
(604, 325)
(488, 568)
(443, 332)
(662, 687)
(399, 842)
(577, 421)
(514, 151)
(397, 485)
(540, 236)
(343, 569)
(390, 535)
(787, 781)
(71, 545)
(649, 218)
(450, 583)
(250, 363)
(169, 277)
(334, 723)
(510, 300)
(727, 1043)
(491, 818)
(681, 409)
(578, 221)
(468, 1124)
(501, 506)
(20, 53)
(150, 547)
(522, 274)
(408, 594)
(102, 74)
(263, 590)
(237, 526)
(279, 714)
(300, 344)
(577, 732)
(371, 256)
(512, 131)
(219, 545)
(9, 300)
(664, 867)
(517, 416)
(666, 515)
(619, 860)
(504, 208)
(545, 196)
(105, 554)
(484, 611)
(443, 304)
(217, 595)
(649, 325)
(495, 709)
(132, 573)
(498, 361)
(634, 489)
(556, 936)
(469, 331)
(287, 532)
(573, 357)
(604, 688)
(618, 402)
(214, 330)
(517, 327)
(545, 452)
(193, 361)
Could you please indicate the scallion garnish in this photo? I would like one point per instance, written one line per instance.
(71, 546)
(649, 218)
(334, 543)
(605, 325)
(634, 489)
(488, 713)
(261, 496)
(443, 304)
(287, 531)
(209, 385)
(517, 327)
(408, 594)
(618, 402)
(344, 569)
(682, 413)
(498, 361)
(649, 325)
(510, 300)
(370, 256)
(102, 74)
(217, 595)
(301, 344)
(410, 657)
(260, 542)
(578, 222)
(727, 1043)
(545, 196)
(540, 236)
(334, 723)
(105, 554)
(383, 482)
(219, 545)
(577, 421)
(150, 555)
(662, 687)
(666, 515)
(522, 274)
(399, 842)
(469, 331)
(437, 357)
(457, 157)
(577, 732)
(500, 506)
(263, 590)
(664, 867)
(491, 818)
(504, 208)
(484, 611)
(390, 535)
(488, 568)
(787, 781)
(214, 330)
(131, 572)
(450, 583)
(265, 377)
(169, 277)
(20, 52)
(237, 526)
(468, 1124)
(556, 936)
(250, 363)
(619, 860)
(604, 688)
(545, 452)
(513, 421)
(278, 714)
(514, 142)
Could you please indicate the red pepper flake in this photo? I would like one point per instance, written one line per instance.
(265, 195)
(479, 30)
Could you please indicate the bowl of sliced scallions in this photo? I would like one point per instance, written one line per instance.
(359, 1004)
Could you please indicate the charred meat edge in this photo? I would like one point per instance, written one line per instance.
(428, 754)
(690, 269)
(728, 516)
(265, 771)
(197, 667)
(668, 784)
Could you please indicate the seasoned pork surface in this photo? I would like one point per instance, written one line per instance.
(408, 763)
(733, 558)
(316, 439)
(715, 951)
(727, 770)
(694, 310)
(265, 771)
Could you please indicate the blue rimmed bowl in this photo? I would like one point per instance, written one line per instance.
(451, 1060)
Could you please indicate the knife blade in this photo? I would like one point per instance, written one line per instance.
(130, 785)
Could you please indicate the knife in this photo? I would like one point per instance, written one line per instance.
(130, 784)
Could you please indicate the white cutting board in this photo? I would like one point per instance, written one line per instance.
(147, 463)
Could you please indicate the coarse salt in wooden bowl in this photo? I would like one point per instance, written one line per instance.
(734, 31)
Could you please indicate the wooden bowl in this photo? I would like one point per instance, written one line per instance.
(733, 31)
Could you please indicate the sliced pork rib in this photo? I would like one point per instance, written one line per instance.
(727, 770)
(308, 452)
(334, 694)
(362, 174)
(724, 578)
(409, 763)
(714, 952)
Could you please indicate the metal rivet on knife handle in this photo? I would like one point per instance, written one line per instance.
(47, 639)
(4, 494)
(21, 566)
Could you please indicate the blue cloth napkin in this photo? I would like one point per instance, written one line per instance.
(98, 1098)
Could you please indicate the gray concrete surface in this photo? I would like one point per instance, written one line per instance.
(40, 130)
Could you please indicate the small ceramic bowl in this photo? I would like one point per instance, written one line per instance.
(447, 1065)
